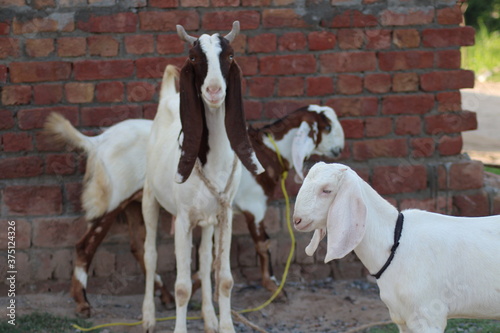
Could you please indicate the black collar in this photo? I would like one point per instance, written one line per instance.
(397, 235)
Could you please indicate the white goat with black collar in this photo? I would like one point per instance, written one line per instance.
(213, 134)
(444, 267)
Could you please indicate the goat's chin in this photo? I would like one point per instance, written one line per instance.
(213, 103)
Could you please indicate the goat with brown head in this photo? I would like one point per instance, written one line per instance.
(210, 80)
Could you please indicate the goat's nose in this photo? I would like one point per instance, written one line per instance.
(212, 90)
(297, 220)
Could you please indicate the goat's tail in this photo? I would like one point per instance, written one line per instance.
(60, 132)
(168, 89)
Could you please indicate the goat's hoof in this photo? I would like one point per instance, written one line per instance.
(167, 301)
(272, 287)
(83, 310)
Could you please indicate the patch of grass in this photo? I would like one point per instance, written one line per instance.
(496, 171)
(484, 56)
(44, 323)
(454, 325)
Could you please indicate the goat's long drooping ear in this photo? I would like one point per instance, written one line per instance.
(236, 127)
(302, 146)
(346, 220)
(191, 113)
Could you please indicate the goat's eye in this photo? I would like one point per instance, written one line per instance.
(231, 57)
(328, 128)
(327, 191)
(193, 59)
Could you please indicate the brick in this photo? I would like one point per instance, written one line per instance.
(104, 46)
(450, 145)
(261, 86)
(73, 193)
(451, 15)
(78, 92)
(35, 118)
(287, 64)
(404, 82)
(407, 104)
(408, 125)
(377, 83)
(223, 20)
(465, 176)
(282, 17)
(449, 59)
(255, 3)
(13, 142)
(140, 91)
(376, 148)
(225, 3)
(39, 47)
(195, 3)
(350, 38)
(262, 43)
(278, 108)
(319, 86)
(449, 101)
(21, 167)
(3, 73)
(103, 69)
(292, 41)
(150, 110)
(115, 23)
(9, 47)
(378, 39)
(342, 20)
(4, 28)
(40, 4)
(72, 3)
(378, 126)
(16, 95)
(167, 20)
(11, 3)
(360, 19)
(60, 164)
(39, 71)
(349, 84)
(447, 80)
(110, 92)
(139, 44)
(406, 38)
(47, 93)
(169, 44)
(321, 40)
(56, 22)
(445, 37)
(71, 46)
(476, 204)
(347, 62)
(253, 109)
(402, 60)
(403, 178)
(23, 235)
(57, 232)
(147, 68)
(6, 119)
(291, 86)
(107, 116)
(249, 65)
(402, 16)
(422, 147)
(240, 44)
(354, 106)
(450, 122)
(165, 3)
(353, 128)
(440, 205)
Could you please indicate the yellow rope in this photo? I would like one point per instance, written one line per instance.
(284, 175)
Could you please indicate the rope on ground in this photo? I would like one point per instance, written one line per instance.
(247, 322)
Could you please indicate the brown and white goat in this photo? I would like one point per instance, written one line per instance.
(214, 136)
(309, 130)
(113, 183)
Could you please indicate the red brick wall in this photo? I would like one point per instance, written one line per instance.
(391, 73)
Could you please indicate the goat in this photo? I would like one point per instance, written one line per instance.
(113, 183)
(309, 130)
(214, 136)
(432, 268)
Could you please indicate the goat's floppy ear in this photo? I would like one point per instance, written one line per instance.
(191, 113)
(236, 127)
(346, 220)
(302, 146)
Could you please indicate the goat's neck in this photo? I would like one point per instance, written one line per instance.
(220, 154)
(376, 244)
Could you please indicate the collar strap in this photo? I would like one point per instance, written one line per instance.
(397, 235)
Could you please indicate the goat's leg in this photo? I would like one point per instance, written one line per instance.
(150, 210)
(85, 250)
(183, 242)
(137, 233)
(261, 241)
(225, 280)
(205, 253)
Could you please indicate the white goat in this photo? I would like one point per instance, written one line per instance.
(444, 267)
(213, 136)
(113, 181)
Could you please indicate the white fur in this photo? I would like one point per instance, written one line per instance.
(445, 267)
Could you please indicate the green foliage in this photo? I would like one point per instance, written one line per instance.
(43, 323)
(486, 11)
(496, 171)
(454, 325)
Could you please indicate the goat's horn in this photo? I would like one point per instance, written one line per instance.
(184, 35)
(234, 32)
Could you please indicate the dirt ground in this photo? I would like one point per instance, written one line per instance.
(323, 306)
